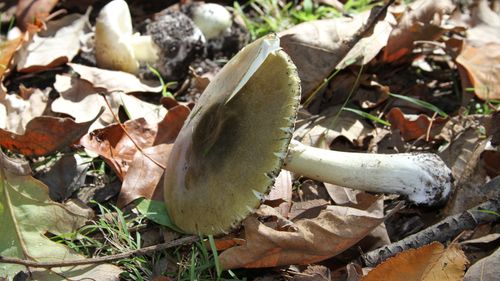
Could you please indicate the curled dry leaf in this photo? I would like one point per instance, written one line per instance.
(481, 70)
(423, 20)
(143, 175)
(428, 263)
(486, 269)
(7, 51)
(27, 214)
(53, 47)
(325, 129)
(415, 127)
(112, 81)
(280, 195)
(306, 241)
(29, 11)
(44, 135)
(318, 47)
(118, 150)
(20, 110)
(80, 99)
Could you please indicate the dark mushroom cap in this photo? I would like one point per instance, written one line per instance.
(232, 146)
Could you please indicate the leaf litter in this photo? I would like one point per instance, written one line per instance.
(408, 52)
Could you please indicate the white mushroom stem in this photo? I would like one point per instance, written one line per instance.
(423, 177)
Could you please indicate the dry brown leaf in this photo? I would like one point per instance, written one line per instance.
(486, 269)
(280, 195)
(118, 150)
(342, 195)
(52, 47)
(7, 52)
(112, 81)
(415, 127)
(462, 155)
(44, 135)
(21, 110)
(481, 70)
(29, 11)
(328, 127)
(81, 100)
(422, 21)
(318, 47)
(306, 241)
(144, 175)
(428, 263)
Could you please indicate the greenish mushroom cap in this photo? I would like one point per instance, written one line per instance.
(232, 146)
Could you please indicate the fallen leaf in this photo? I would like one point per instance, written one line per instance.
(113, 81)
(415, 127)
(280, 196)
(27, 214)
(322, 131)
(52, 47)
(28, 11)
(306, 241)
(428, 263)
(481, 67)
(7, 52)
(143, 175)
(423, 21)
(342, 195)
(491, 162)
(65, 177)
(318, 47)
(314, 273)
(81, 100)
(118, 150)
(486, 269)
(463, 155)
(21, 110)
(44, 135)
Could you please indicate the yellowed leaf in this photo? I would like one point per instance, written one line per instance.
(429, 263)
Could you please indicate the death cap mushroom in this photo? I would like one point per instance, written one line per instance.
(232, 146)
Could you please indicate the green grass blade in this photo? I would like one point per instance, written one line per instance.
(367, 115)
(421, 103)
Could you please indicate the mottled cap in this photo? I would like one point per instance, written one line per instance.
(232, 146)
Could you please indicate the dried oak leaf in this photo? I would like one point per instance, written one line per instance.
(422, 21)
(44, 135)
(112, 81)
(53, 47)
(306, 241)
(481, 70)
(415, 127)
(81, 100)
(428, 263)
(486, 269)
(118, 150)
(318, 47)
(28, 11)
(7, 51)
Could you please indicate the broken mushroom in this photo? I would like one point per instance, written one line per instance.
(116, 46)
(234, 143)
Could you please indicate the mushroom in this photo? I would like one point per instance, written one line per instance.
(116, 46)
(235, 141)
(213, 19)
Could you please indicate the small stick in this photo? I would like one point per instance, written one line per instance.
(443, 231)
(128, 135)
(142, 251)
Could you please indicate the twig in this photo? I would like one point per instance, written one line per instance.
(443, 231)
(142, 251)
(128, 135)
